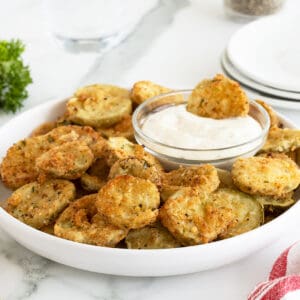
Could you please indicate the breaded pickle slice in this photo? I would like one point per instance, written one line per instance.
(123, 128)
(218, 98)
(99, 105)
(204, 178)
(143, 90)
(194, 218)
(81, 223)
(284, 201)
(18, 166)
(265, 175)
(137, 167)
(225, 179)
(71, 133)
(129, 202)
(68, 161)
(274, 120)
(153, 236)
(282, 140)
(120, 148)
(96, 176)
(249, 213)
(40, 204)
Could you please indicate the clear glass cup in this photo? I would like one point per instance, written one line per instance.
(92, 25)
(173, 157)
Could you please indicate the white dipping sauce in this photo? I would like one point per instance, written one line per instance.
(175, 126)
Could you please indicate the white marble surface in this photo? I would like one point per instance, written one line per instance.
(176, 43)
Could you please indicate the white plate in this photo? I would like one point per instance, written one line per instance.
(124, 261)
(272, 100)
(229, 67)
(268, 51)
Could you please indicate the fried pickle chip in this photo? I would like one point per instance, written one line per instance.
(153, 236)
(136, 167)
(265, 176)
(204, 178)
(278, 155)
(249, 213)
(129, 202)
(274, 120)
(96, 176)
(225, 179)
(282, 140)
(68, 161)
(218, 98)
(123, 128)
(143, 90)
(120, 148)
(99, 105)
(194, 218)
(283, 201)
(71, 133)
(81, 223)
(18, 166)
(38, 205)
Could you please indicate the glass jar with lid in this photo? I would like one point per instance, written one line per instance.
(251, 9)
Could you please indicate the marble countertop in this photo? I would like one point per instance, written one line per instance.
(175, 43)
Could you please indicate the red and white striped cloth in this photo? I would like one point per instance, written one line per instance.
(284, 278)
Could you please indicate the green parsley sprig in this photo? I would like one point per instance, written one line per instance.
(14, 75)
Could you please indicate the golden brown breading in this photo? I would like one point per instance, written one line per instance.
(118, 148)
(86, 134)
(136, 167)
(129, 202)
(282, 140)
(249, 213)
(67, 161)
(203, 178)
(218, 98)
(278, 155)
(43, 129)
(123, 128)
(265, 175)
(99, 105)
(283, 201)
(153, 236)
(96, 176)
(274, 120)
(38, 205)
(143, 90)
(81, 223)
(18, 166)
(195, 218)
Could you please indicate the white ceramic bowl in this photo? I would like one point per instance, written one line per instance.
(124, 261)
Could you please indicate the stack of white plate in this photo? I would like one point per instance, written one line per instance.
(264, 57)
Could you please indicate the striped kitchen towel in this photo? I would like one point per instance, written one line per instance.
(284, 278)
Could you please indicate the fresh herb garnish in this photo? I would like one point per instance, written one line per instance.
(14, 75)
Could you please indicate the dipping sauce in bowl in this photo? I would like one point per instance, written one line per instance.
(177, 137)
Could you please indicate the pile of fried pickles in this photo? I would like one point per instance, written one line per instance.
(84, 178)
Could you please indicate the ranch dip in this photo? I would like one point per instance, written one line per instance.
(175, 126)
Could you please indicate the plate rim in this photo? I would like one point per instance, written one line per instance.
(234, 72)
(241, 31)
